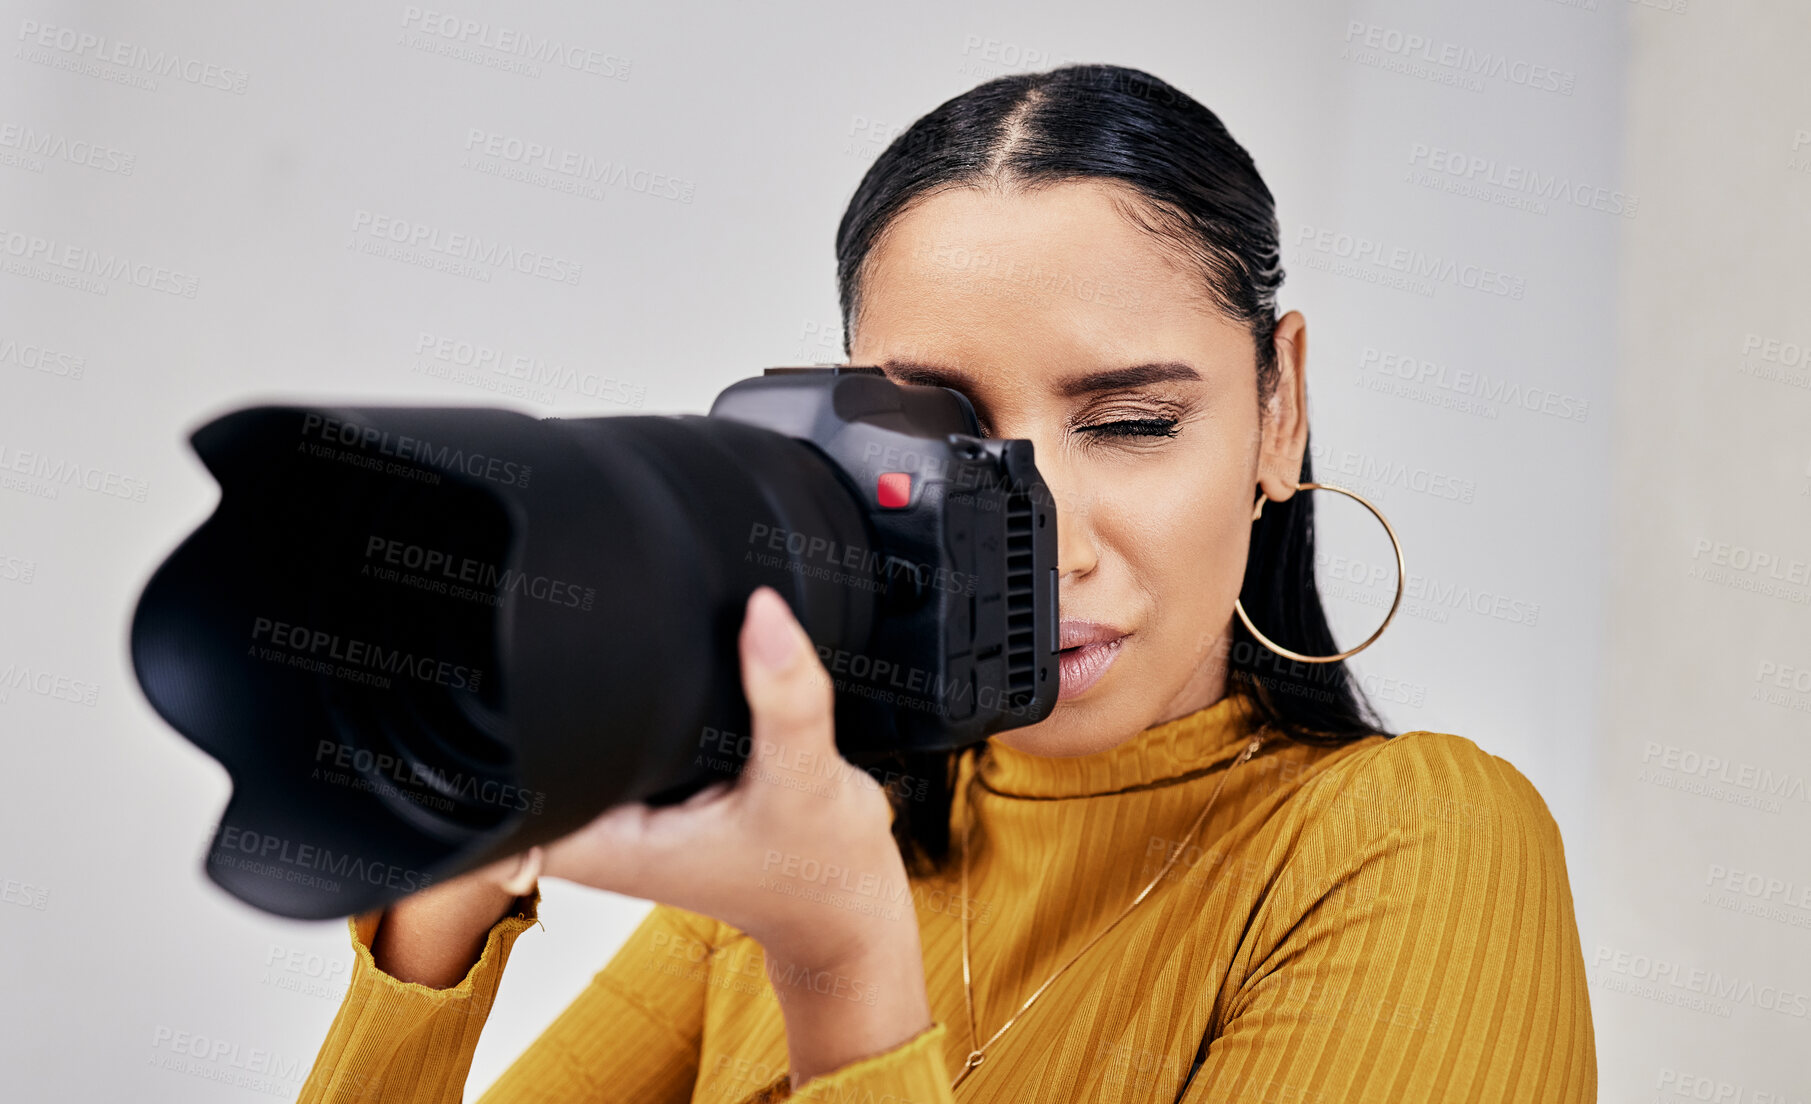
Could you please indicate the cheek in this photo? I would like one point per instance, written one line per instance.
(1183, 530)
(1191, 540)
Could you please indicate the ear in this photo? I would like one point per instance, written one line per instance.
(1283, 432)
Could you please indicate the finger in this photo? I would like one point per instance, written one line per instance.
(644, 850)
(508, 871)
(790, 700)
(716, 791)
(610, 838)
(527, 872)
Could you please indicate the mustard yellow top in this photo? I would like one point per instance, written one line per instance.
(1389, 920)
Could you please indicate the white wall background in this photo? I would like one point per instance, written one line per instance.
(1549, 483)
(1702, 961)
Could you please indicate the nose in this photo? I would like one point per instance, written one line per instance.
(1075, 553)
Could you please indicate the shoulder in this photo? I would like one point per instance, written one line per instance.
(1430, 782)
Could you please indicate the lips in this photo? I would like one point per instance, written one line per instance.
(1088, 649)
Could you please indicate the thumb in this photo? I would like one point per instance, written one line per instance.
(790, 698)
(515, 873)
(526, 872)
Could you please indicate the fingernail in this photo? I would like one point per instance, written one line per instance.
(773, 642)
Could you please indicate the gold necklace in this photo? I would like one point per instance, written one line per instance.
(977, 1054)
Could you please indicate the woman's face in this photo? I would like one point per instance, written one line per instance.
(1067, 325)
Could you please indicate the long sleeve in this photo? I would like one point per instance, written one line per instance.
(1420, 945)
(634, 1032)
(400, 1041)
(913, 1071)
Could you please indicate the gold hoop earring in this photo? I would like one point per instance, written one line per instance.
(1401, 578)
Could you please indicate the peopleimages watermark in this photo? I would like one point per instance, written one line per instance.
(24, 147)
(42, 358)
(1783, 684)
(415, 450)
(1005, 55)
(1375, 474)
(81, 268)
(909, 687)
(868, 136)
(1769, 573)
(1448, 62)
(1700, 1087)
(1399, 266)
(517, 50)
(749, 974)
(42, 475)
(464, 577)
(1795, 160)
(1781, 361)
(1423, 596)
(1305, 680)
(303, 863)
(529, 376)
(1713, 776)
(1514, 185)
(46, 684)
(1463, 389)
(368, 763)
(1760, 887)
(722, 749)
(565, 170)
(84, 52)
(1693, 988)
(306, 973)
(832, 883)
(819, 342)
(212, 1058)
(319, 651)
(17, 569)
(454, 251)
(866, 563)
(24, 895)
(816, 880)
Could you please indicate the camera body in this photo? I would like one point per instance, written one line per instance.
(962, 558)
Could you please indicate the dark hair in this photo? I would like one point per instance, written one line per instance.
(1201, 196)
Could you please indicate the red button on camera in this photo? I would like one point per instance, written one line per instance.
(894, 490)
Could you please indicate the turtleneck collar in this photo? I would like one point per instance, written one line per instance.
(1173, 751)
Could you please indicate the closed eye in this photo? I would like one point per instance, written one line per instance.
(1134, 427)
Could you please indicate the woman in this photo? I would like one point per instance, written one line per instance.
(1208, 875)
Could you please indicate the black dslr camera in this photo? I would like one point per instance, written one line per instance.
(423, 638)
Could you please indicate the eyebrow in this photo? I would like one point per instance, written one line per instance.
(1111, 379)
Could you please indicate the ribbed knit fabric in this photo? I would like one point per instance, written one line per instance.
(1389, 920)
